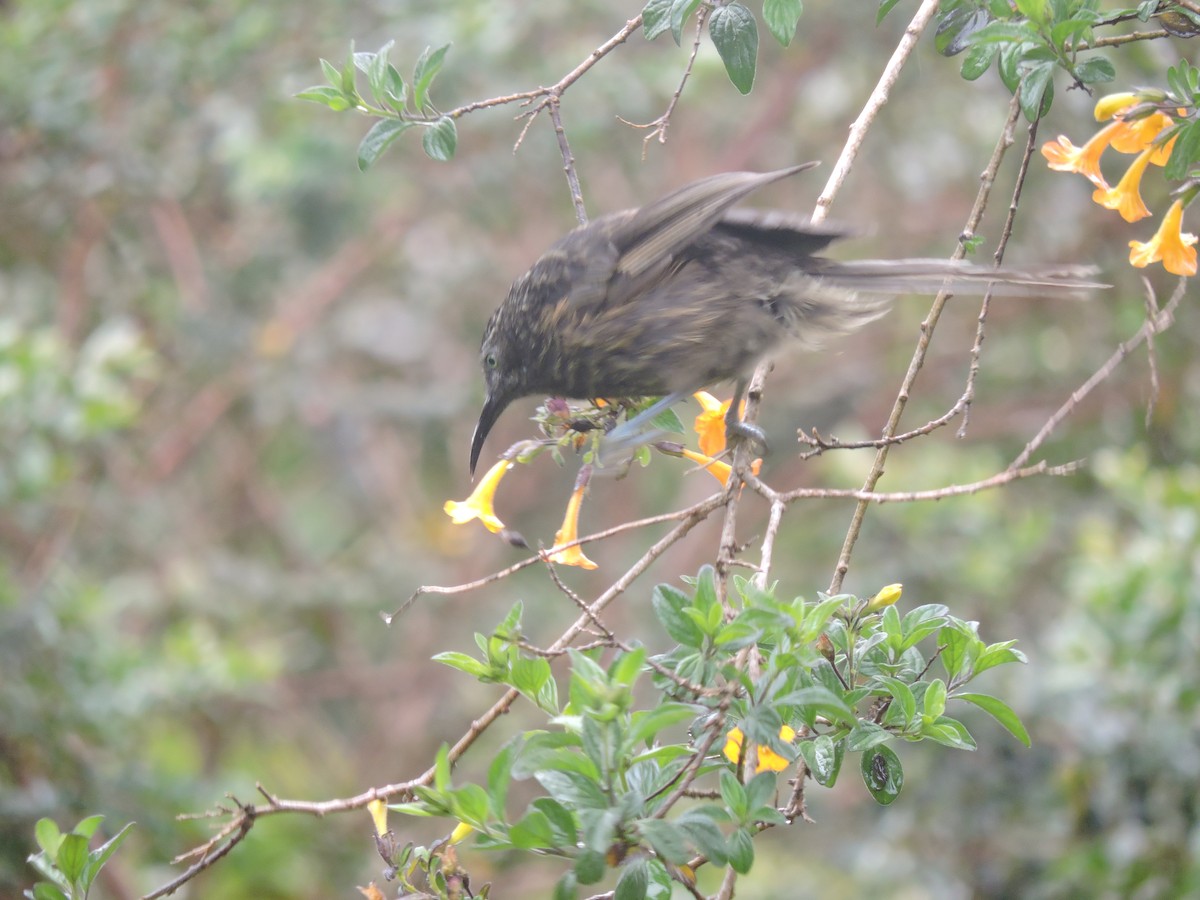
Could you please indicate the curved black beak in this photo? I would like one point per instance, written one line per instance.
(493, 406)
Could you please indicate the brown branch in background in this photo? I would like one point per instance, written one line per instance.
(1152, 326)
(918, 358)
(568, 160)
(658, 128)
(968, 396)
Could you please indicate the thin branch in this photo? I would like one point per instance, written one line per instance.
(1152, 326)
(918, 358)
(660, 125)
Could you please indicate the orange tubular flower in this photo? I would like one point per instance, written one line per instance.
(1063, 156)
(710, 424)
(719, 470)
(1126, 197)
(1169, 244)
(479, 504)
(571, 556)
(1137, 135)
(768, 759)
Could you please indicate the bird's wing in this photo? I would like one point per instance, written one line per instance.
(648, 243)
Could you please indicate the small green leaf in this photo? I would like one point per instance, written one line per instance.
(378, 139)
(700, 825)
(441, 769)
(741, 851)
(882, 774)
(667, 420)
(634, 881)
(823, 756)
(98, 857)
(950, 732)
(332, 74)
(735, 35)
(1001, 712)
(935, 699)
(573, 789)
(562, 823)
(1037, 91)
(648, 723)
(681, 10)
(667, 838)
(668, 604)
(441, 139)
(866, 735)
(954, 31)
(43, 890)
(500, 774)
(72, 856)
(377, 72)
(781, 17)
(1184, 153)
(428, 65)
(734, 794)
(589, 866)
(978, 60)
(656, 18)
(463, 663)
(326, 96)
(885, 7)
(48, 837)
(532, 832)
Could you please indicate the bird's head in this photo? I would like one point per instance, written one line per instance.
(504, 378)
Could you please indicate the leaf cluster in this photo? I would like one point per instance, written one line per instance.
(66, 861)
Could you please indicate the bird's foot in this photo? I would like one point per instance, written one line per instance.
(738, 432)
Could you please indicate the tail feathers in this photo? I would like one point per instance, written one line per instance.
(925, 276)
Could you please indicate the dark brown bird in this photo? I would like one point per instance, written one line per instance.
(684, 293)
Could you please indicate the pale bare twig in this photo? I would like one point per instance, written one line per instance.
(658, 128)
(1153, 325)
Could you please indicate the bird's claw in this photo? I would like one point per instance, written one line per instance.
(739, 432)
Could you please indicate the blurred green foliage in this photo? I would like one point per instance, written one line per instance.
(237, 378)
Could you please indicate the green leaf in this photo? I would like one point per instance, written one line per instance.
(955, 30)
(441, 769)
(1037, 91)
(734, 794)
(72, 856)
(626, 668)
(500, 775)
(882, 774)
(935, 699)
(470, 804)
(1184, 153)
(441, 139)
(667, 838)
(589, 866)
(668, 604)
(332, 74)
(866, 735)
(700, 825)
(45, 891)
(1034, 10)
(741, 851)
(562, 823)
(634, 880)
(681, 10)
(429, 63)
(997, 655)
(950, 732)
(98, 857)
(978, 60)
(885, 7)
(823, 756)
(735, 35)
(902, 696)
(378, 139)
(656, 18)
(532, 832)
(377, 72)
(819, 700)
(48, 837)
(463, 663)
(573, 789)
(759, 791)
(781, 17)
(1001, 712)
(326, 96)
(647, 723)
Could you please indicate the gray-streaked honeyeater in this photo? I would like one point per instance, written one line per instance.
(686, 292)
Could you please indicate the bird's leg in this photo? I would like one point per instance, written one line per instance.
(735, 429)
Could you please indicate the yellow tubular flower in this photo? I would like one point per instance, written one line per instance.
(378, 810)
(571, 556)
(719, 470)
(1110, 105)
(1063, 156)
(479, 504)
(461, 830)
(1126, 197)
(768, 759)
(1169, 244)
(710, 424)
(886, 597)
(1136, 135)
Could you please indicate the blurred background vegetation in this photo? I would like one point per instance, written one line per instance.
(238, 378)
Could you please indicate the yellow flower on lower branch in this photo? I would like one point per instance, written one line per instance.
(571, 556)
(885, 598)
(1170, 244)
(710, 424)
(1063, 156)
(379, 812)
(479, 504)
(461, 830)
(768, 759)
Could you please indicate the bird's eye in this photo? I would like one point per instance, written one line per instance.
(490, 361)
